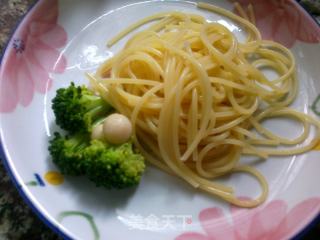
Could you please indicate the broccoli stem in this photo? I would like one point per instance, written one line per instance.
(98, 113)
(78, 142)
(93, 101)
(97, 108)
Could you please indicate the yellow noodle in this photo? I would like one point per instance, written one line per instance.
(194, 93)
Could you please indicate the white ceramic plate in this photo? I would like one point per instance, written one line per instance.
(60, 40)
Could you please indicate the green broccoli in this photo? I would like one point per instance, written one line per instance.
(77, 108)
(109, 166)
(106, 165)
(67, 153)
(114, 166)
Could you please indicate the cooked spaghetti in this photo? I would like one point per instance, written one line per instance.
(194, 93)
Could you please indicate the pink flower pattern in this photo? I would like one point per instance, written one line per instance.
(31, 57)
(271, 221)
(283, 21)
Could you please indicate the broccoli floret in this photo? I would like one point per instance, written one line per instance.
(115, 167)
(67, 153)
(77, 108)
(110, 166)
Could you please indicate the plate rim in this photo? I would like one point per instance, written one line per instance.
(3, 156)
(22, 192)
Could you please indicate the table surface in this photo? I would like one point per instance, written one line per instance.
(17, 221)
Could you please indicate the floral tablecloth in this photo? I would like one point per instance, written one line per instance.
(17, 221)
